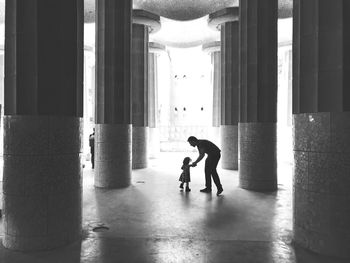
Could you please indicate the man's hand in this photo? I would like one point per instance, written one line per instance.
(193, 165)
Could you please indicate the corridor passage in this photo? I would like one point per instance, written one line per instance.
(153, 221)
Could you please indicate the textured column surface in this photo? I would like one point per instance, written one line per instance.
(229, 147)
(155, 50)
(321, 105)
(258, 95)
(227, 20)
(216, 62)
(152, 89)
(139, 96)
(140, 75)
(321, 60)
(213, 49)
(215, 131)
(140, 147)
(322, 182)
(143, 23)
(42, 181)
(42, 124)
(257, 156)
(113, 93)
(113, 163)
(154, 134)
(44, 58)
(229, 95)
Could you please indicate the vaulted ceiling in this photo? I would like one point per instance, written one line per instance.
(184, 22)
(184, 10)
(175, 9)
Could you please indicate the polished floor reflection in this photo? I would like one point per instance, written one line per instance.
(153, 221)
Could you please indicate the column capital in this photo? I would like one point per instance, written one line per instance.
(156, 48)
(230, 14)
(211, 47)
(142, 17)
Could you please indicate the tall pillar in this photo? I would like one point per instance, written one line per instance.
(258, 95)
(113, 94)
(155, 50)
(42, 124)
(227, 21)
(213, 49)
(321, 126)
(143, 24)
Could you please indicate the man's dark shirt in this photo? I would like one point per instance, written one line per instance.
(205, 146)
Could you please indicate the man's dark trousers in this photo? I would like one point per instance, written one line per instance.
(210, 171)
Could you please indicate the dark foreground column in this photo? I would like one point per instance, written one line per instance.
(213, 49)
(143, 23)
(155, 50)
(113, 89)
(258, 95)
(321, 105)
(227, 21)
(42, 124)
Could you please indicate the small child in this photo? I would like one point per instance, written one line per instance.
(185, 175)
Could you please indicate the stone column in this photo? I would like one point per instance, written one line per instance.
(258, 95)
(155, 50)
(213, 49)
(42, 124)
(143, 23)
(321, 126)
(227, 21)
(113, 94)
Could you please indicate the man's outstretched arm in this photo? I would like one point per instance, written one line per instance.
(200, 157)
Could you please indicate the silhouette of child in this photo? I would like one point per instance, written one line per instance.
(185, 175)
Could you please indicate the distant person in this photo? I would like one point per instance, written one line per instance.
(185, 176)
(92, 148)
(213, 157)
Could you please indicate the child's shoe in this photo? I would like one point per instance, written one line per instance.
(182, 186)
(188, 189)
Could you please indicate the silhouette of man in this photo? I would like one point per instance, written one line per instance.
(92, 148)
(213, 157)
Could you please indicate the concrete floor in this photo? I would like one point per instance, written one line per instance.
(153, 221)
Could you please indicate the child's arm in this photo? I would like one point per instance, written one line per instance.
(186, 166)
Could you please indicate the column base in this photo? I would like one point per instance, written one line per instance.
(139, 147)
(112, 155)
(257, 156)
(229, 147)
(321, 182)
(42, 182)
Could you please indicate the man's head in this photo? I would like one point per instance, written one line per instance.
(192, 141)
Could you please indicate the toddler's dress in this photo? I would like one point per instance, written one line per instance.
(185, 176)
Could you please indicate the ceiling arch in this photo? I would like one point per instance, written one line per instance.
(182, 10)
(185, 10)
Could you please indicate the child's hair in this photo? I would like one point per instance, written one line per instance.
(186, 160)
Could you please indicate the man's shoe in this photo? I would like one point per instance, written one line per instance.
(188, 189)
(219, 191)
(181, 186)
(205, 190)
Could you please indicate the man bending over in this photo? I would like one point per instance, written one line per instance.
(213, 157)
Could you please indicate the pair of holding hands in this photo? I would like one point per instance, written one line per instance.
(193, 165)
